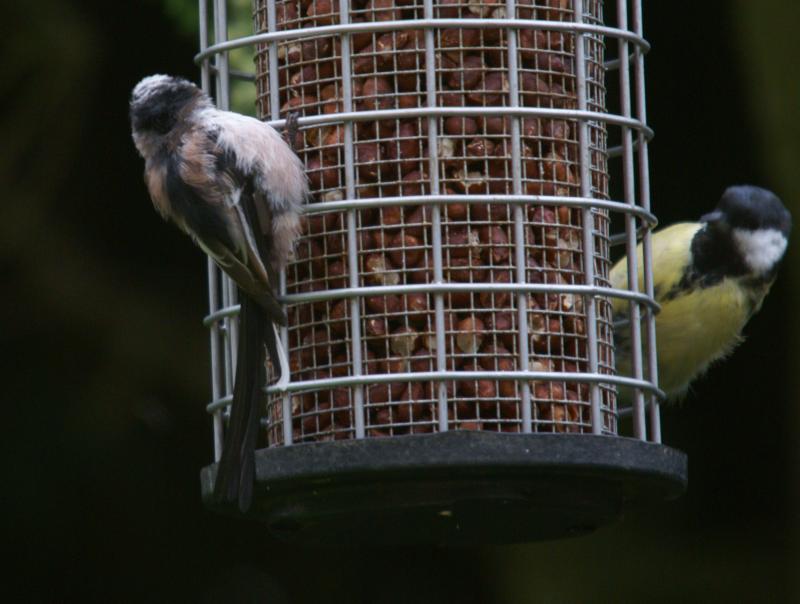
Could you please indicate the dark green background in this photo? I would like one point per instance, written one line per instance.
(105, 374)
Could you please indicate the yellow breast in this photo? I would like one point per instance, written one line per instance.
(694, 328)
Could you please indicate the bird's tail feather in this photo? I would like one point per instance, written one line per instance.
(236, 469)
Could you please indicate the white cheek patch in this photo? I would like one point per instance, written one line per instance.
(760, 249)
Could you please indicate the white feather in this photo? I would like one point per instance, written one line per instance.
(150, 85)
(259, 149)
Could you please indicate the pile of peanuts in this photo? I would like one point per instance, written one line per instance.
(394, 242)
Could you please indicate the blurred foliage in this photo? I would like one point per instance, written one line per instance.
(185, 14)
(769, 52)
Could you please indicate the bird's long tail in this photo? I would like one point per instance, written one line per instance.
(236, 469)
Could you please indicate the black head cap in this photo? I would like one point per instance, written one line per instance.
(157, 101)
(750, 208)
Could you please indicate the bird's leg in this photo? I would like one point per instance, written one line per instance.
(283, 382)
(290, 129)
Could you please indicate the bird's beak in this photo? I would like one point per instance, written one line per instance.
(714, 216)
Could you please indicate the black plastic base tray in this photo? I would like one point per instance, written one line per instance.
(455, 487)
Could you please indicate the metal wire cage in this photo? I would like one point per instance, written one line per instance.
(453, 272)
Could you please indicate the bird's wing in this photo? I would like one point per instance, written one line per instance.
(213, 202)
(278, 178)
(671, 257)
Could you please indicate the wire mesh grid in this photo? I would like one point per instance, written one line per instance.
(453, 271)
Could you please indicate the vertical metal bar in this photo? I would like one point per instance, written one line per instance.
(639, 425)
(647, 252)
(221, 60)
(587, 220)
(216, 390)
(352, 222)
(436, 217)
(274, 114)
(228, 295)
(286, 398)
(202, 12)
(227, 322)
(520, 257)
(213, 271)
(222, 100)
(272, 64)
(233, 322)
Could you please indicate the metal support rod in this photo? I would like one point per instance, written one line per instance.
(437, 111)
(639, 425)
(365, 203)
(205, 76)
(566, 27)
(443, 376)
(221, 62)
(647, 251)
(274, 113)
(227, 288)
(520, 255)
(212, 270)
(587, 220)
(286, 398)
(356, 364)
(216, 389)
(436, 219)
(272, 62)
(222, 99)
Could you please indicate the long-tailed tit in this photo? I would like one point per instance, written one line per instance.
(236, 188)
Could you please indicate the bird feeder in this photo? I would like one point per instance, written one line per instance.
(450, 331)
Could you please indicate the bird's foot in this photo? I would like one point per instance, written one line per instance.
(290, 130)
(282, 384)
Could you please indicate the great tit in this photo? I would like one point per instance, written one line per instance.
(709, 277)
(236, 188)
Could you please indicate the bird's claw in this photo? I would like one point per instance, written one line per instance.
(282, 385)
(290, 129)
